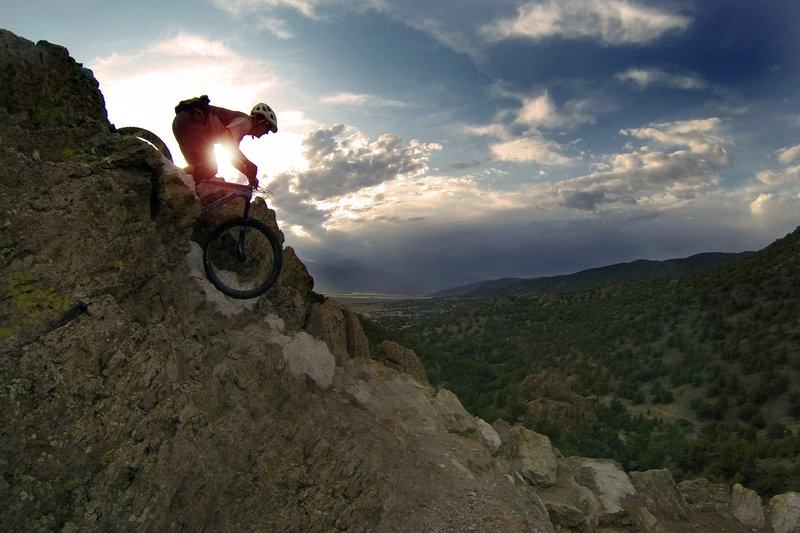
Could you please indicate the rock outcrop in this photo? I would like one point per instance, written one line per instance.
(135, 397)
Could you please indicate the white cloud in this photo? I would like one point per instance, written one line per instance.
(758, 206)
(307, 8)
(787, 155)
(538, 111)
(351, 99)
(658, 178)
(612, 22)
(786, 175)
(346, 174)
(522, 139)
(530, 149)
(645, 77)
(278, 27)
(699, 135)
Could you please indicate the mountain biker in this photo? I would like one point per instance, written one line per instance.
(198, 128)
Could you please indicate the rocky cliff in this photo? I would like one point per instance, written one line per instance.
(135, 397)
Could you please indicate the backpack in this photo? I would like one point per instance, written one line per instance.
(198, 103)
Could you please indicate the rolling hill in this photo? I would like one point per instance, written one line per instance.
(645, 362)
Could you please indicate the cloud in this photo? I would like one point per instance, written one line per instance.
(446, 21)
(657, 178)
(530, 149)
(538, 111)
(521, 138)
(308, 8)
(278, 27)
(776, 209)
(785, 175)
(787, 155)
(612, 22)
(462, 27)
(757, 207)
(779, 177)
(346, 175)
(645, 77)
(351, 99)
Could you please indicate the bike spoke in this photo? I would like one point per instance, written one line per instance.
(241, 260)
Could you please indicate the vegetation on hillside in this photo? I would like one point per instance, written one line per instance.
(697, 373)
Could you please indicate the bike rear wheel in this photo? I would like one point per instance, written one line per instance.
(147, 136)
(243, 259)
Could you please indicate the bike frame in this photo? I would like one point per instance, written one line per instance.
(237, 191)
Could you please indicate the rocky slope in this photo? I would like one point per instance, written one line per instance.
(135, 397)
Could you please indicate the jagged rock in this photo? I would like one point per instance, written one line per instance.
(401, 358)
(747, 507)
(456, 418)
(784, 513)
(340, 328)
(531, 452)
(607, 481)
(291, 295)
(660, 494)
(326, 321)
(487, 435)
(569, 504)
(702, 495)
(46, 84)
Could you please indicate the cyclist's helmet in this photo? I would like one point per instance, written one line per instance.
(265, 113)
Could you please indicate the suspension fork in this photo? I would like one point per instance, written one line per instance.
(241, 251)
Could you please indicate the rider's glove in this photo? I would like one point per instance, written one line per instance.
(251, 176)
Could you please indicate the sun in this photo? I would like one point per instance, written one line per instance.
(224, 167)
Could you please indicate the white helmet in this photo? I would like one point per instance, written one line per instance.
(265, 112)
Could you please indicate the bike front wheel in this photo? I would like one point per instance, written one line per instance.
(242, 259)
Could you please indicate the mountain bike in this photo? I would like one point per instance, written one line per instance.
(242, 257)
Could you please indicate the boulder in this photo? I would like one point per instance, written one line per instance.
(568, 503)
(401, 358)
(747, 507)
(340, 328)
(531, 454)
(608, 482)
(784, 513)
(487, 436)
(706, 497)
(660, 494)
(456, 418)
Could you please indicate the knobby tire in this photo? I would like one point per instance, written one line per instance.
(239, 278)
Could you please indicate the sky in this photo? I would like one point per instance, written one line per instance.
(426, 144)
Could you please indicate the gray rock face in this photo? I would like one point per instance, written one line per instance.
(341, 330)
(400, 358)
(747, 507)
(784, 513)
(134, 397)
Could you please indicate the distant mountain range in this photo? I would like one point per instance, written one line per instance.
(635, 270)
